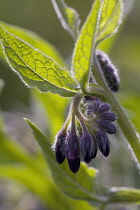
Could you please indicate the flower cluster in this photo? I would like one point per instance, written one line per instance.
(109, 71)
(79, 139)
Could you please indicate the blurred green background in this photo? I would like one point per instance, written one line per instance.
(17, 101)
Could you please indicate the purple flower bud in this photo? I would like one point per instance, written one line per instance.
(108, 70)
(114, 83)
(115, 87)
(88, 157)
(103, 143)
(60, 157)
(73, 152)
(86, 146)
(59, 147)
(108, 116)
(104, 108)
(74, 164)
(107, 127)
(102, 58)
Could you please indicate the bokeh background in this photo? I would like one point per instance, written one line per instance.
(17, 101)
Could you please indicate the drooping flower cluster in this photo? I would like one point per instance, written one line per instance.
(87, 131)
(109, 71)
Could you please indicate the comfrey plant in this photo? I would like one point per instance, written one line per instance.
(91, 83)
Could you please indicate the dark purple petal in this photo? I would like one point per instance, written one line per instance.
(86, 144)
(103, 143)
(114, 86)
(94, 153)
(96, 106)
(72, 151)
(74, 164)
(108, 116)
(102, 58)
(72, 145)
(108, 69)
(90, 107)
(88, 147)
(87, 158)
(107, 127)
(59, 147)
(60, 157)
(104, 108)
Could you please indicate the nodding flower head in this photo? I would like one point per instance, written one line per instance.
(82, 140)
(109, 70)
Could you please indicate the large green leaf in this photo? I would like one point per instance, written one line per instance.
(80, 185)
(82, 56)
(34, 40)
(110, 18)
(68, 17)
(35, 68)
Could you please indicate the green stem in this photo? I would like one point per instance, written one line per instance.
(123, 121)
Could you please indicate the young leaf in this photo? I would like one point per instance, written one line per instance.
(68, 17)
(82, 56)
(110, 18)
(35, 68)
(80, 185)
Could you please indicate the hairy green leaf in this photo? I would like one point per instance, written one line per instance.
(82, 56)
(124, 194)
(68, 17)
(80, 185)
(34, 40)
(35, 68)
(110, 18)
